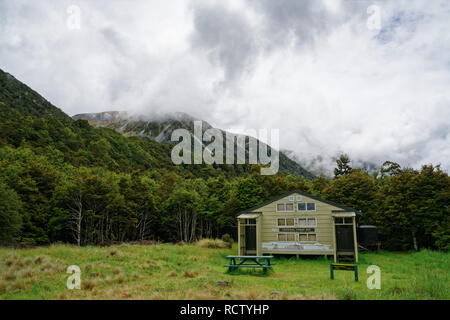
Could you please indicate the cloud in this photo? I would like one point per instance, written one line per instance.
(227, 37)
(313, 69)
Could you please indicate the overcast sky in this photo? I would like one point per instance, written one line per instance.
(322, 73)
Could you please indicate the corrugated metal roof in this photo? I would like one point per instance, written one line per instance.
(342, 214)
(249, 215)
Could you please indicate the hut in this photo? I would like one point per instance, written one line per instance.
(298, 223)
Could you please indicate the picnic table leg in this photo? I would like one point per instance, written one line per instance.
(356, 273)
(331, 272)
(265, 266)
(232, 263)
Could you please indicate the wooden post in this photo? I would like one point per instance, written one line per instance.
(334, 240)
(355, 241)
(239, 237)
(258, 236)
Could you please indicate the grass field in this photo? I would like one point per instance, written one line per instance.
(187, 272)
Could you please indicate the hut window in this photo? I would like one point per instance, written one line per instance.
(289, 222)
(286, 237)
(307, 237)
(309, 206)
(345, 220)
(283, 207)
(307, 222)
(291, 198)
(250, 221)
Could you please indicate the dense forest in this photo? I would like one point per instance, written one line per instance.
(61, 180)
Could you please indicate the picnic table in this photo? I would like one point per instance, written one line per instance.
(343, 266)
(236, 262)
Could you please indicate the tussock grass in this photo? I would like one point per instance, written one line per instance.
(196, 272)
(172, 274)
(212, 244)
(190, 274)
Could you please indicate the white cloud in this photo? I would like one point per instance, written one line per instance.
(315, 71)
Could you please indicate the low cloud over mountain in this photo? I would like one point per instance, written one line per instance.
(315, 70)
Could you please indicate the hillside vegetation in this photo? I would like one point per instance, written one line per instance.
(190, 272)
(62, 180)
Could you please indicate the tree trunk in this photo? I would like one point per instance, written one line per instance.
(415, 241)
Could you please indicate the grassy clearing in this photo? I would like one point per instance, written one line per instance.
(192, 272)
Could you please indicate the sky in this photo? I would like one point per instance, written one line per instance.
(366, 78)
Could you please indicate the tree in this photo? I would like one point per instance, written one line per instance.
(319, 184)
(395, 220)
(390, 168)
(10, 218)
(185, 204)
(138, 191)
(356, 190)
(249, 192)
(343, 166)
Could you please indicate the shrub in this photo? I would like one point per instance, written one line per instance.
(228, 239)
(212, 244)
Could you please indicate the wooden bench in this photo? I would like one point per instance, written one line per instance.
(343, 266)
(236, 262)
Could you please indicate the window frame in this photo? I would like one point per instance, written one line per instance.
(307, 236)
(276, 207)
(286, 234)
(285, 207)
(285, 222)
(293, 207)
(307, 226)
(306, 207)
(336, 222)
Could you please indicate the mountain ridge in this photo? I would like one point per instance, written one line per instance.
(159, 128)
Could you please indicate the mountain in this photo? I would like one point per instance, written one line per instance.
(159, 128)
(17, 99)
(325, 164)
(28, 119)
(51, 163)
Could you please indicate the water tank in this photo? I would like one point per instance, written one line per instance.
(367, 235)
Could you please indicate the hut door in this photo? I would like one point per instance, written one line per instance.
(344, 238)
(250, 238)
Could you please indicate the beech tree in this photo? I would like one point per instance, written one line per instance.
(343, 166)
(10, 218)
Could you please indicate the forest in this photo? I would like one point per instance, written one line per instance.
(62, 180)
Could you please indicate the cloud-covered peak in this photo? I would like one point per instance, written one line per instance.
(316, 70)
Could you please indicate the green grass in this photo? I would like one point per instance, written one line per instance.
(189, 272)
